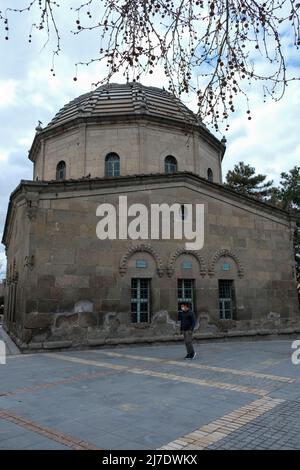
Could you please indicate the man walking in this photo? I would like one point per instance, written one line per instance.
(187, 324)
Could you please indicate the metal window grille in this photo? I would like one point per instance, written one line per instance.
(210, 175)
(226, 299)
(170, 164)
(186, 292)
(61, 171)
(140, 300)
(112, 165)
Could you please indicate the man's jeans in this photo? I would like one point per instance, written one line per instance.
(188, 339)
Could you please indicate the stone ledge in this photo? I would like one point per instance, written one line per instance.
(57, 344)
(35, 346)
(242, 333)
(221, 336)
(96, 342)
(264, 332)
(287, 331)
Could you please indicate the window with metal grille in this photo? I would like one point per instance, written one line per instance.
(140, 300)
(170, 164)
(226, 299)
(61, 171)
(112, 165)
(185, 292)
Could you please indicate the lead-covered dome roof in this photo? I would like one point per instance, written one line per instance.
(125, 99)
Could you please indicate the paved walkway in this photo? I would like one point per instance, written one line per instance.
(234, 395)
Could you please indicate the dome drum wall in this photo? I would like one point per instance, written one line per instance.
(142, 147)
(143, 125)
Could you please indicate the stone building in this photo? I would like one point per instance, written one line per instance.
(66, 287)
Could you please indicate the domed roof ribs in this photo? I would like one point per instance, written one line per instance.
(190, 116)
(113, 99)
(91, 102)
(139, 98)
(69, 111)
(130, 98)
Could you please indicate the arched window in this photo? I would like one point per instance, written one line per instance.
(61, 171)
(210, 175)
(112, 165)
(170, 164)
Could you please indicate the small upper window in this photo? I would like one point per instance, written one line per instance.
(170, 164)
(112, 165)
(210, 175)
(61, 171)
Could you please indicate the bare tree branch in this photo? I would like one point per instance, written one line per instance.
(214, 48)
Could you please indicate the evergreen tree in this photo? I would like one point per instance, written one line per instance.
(244, 180)
(290, 189)
(274, 197)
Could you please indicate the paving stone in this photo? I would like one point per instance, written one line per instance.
(110, 407)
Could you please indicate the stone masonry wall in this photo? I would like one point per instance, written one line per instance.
(78, 290)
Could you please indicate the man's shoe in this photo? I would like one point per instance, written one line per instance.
(187, 356)
(193, 356)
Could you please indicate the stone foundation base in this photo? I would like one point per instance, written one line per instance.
(75, 337)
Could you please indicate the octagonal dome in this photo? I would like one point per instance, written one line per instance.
(125, 129)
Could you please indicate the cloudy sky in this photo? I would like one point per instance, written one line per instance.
(29, 92)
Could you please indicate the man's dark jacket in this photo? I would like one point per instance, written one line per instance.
(187, 320)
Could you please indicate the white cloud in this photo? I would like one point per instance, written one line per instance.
(4, 154)
(8, 89)
(2, 265)
(270, 141)
(26, 140)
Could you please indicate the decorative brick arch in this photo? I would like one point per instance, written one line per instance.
(146, 248)
(184, 251)
(228, 254)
